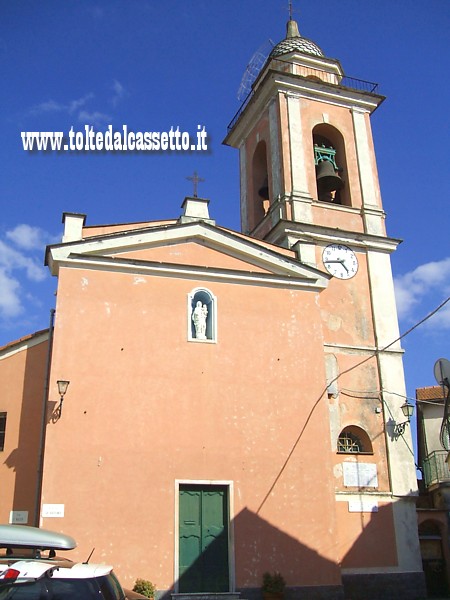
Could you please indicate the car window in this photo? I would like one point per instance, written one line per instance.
(52, 589)
(110, 587)
(23, 591)
(73, 589)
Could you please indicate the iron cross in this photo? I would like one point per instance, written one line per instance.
(195, 180)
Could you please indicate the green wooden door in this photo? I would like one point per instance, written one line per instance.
(203, 561)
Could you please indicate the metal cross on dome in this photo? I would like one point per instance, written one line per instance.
(291, 9)
(195, 180)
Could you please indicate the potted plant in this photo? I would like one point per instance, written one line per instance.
(273, 586)
(144, 587)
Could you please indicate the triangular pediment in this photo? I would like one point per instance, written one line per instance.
(183, 249)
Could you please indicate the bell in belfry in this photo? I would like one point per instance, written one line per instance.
(328, 181)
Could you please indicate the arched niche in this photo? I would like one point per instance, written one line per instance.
(202, 315)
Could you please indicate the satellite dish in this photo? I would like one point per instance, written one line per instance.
(442, 375)
(442, 371)
(253, 68)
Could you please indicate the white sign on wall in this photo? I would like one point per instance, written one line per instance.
(360, 474)
(362, 505)
(53, 510)
(18, 517)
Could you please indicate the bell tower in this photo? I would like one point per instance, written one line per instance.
(309, 183)
(305, 143)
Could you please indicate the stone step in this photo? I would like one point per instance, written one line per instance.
(208, 596)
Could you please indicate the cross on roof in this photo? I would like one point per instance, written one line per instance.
(291, 10)
(195, 180)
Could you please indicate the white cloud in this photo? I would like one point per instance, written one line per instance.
(50, 106)
(21, 266)
(28, 237)
(12, 260)
(119, 93)
(76, 104)
(46, 107)
(10, 302)
(95, 118)
(413, 289)
(80, 107)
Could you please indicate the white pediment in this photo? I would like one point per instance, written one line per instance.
(109, 252)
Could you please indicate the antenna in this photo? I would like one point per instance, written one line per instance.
(253, 68)
(89, 557)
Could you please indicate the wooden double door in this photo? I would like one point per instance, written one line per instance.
(203, 539)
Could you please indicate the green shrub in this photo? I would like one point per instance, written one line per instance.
(273, 583)
(144, 587)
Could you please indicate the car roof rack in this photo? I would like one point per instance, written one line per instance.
(25, 536)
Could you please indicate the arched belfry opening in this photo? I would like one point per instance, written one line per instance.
(260, 185)
(331, 165)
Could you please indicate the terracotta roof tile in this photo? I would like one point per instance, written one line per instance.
(432, 392)
(25, 338)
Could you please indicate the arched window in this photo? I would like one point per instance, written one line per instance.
(354, 440)
(331, 165)
(202, 316)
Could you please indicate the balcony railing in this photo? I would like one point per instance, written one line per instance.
(435, 468)
(315, 75)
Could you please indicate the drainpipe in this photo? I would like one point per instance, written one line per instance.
(40, 472)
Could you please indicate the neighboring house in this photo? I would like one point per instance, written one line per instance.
(434, 502)
(23, 372)
(234, 397)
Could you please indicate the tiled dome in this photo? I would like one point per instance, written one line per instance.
(294, 42)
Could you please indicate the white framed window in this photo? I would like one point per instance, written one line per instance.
(202, 316)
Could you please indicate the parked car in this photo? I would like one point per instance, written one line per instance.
(30, 569)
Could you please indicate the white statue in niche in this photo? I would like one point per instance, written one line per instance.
(199, 315)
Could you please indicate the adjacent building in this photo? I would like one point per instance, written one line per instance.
(434, 501)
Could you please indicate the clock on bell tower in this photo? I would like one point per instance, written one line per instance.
(309, 183)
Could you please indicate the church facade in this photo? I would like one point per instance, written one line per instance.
(234, 397)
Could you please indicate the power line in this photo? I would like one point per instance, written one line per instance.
(308, 418)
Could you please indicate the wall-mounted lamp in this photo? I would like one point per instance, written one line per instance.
(407, 410)
(62, 389)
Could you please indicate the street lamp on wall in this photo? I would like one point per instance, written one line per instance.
(62, 389)
(407, 410)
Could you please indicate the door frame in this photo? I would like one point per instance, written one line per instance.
(230, 499)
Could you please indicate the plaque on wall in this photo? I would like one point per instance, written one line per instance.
(360, 475)
(362, 505)
(53, 510)
(18, 517)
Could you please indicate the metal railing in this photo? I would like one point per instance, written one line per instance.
(309, 73)
(435, 468)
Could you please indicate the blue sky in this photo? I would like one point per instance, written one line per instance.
(155, 64)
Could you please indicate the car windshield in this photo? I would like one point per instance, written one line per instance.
(100, 588)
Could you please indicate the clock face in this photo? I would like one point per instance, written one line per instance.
(340, 261)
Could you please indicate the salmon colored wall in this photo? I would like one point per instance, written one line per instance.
(346, 307)
(366, 539)
(22, 377)
(198, 253)
(146, 407)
